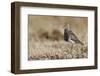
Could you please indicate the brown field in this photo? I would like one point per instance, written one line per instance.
(46, 38)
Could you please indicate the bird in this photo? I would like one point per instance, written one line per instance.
(69, 36)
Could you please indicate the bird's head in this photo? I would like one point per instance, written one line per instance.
(67, 27)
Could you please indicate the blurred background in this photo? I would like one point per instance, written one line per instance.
(52, 27)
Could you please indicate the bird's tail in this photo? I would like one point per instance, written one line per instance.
(80, 43)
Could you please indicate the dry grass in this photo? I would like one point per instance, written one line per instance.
(56, 50)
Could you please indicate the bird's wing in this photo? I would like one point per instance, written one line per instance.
(75, 38)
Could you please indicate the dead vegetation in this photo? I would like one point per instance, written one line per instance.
(56, 50)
